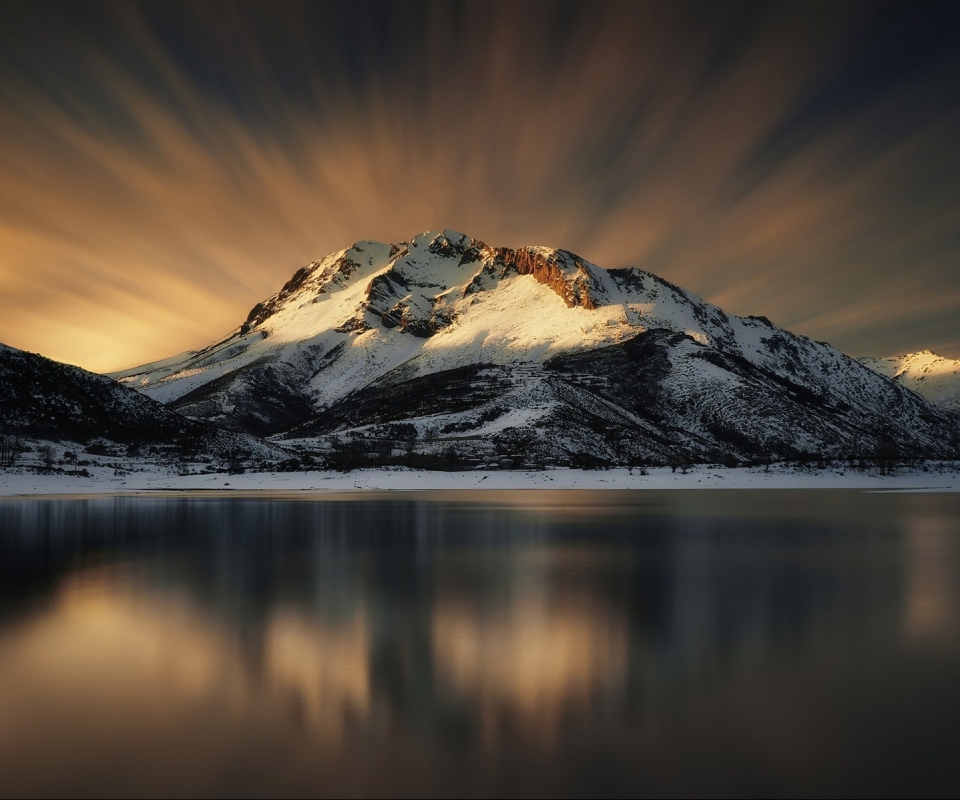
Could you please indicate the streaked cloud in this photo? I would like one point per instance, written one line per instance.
(165, 167)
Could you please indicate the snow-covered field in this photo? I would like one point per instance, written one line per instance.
(14, 483)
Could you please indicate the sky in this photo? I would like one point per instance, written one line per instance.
(165, 166)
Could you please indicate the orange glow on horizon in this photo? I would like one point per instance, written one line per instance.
(150, 221)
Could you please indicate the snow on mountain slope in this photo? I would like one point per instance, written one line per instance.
(926, 373)
(48, 400)
(155, 368)
(379, 333)
(438, 302)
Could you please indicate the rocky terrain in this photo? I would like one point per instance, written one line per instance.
(43, 400)
(446, 348)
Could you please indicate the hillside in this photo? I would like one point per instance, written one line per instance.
(444, 342)
(926, 373)
(44, 399)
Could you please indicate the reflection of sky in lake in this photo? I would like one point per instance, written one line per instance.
(608, 644)
(931, 605)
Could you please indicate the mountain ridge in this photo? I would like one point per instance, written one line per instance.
(934, 377)
(48, 400)
(530, 326)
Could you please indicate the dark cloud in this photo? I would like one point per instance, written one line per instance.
(164, 166)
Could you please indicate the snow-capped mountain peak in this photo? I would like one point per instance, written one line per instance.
(448, 297)
(493, 338)
(933, 376)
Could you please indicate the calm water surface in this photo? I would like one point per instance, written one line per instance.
(720, 643)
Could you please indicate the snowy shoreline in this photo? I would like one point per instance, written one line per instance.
(29, 483)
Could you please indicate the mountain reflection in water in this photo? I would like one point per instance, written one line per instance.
(573, 643)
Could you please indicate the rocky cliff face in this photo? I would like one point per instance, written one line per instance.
(468, 345)
(401, 296)
(563, 272)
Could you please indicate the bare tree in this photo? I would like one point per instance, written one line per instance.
(9, 449)
(48, 456)
(885, 457)
(70, 457)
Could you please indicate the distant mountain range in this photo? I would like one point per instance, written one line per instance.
(935, 377)
(444, 344)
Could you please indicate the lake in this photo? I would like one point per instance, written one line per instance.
(532, 642)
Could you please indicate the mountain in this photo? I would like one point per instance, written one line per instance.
(445, 343)
(45, 399)
(926, 373)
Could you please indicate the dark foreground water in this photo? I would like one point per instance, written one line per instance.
(720, 643)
